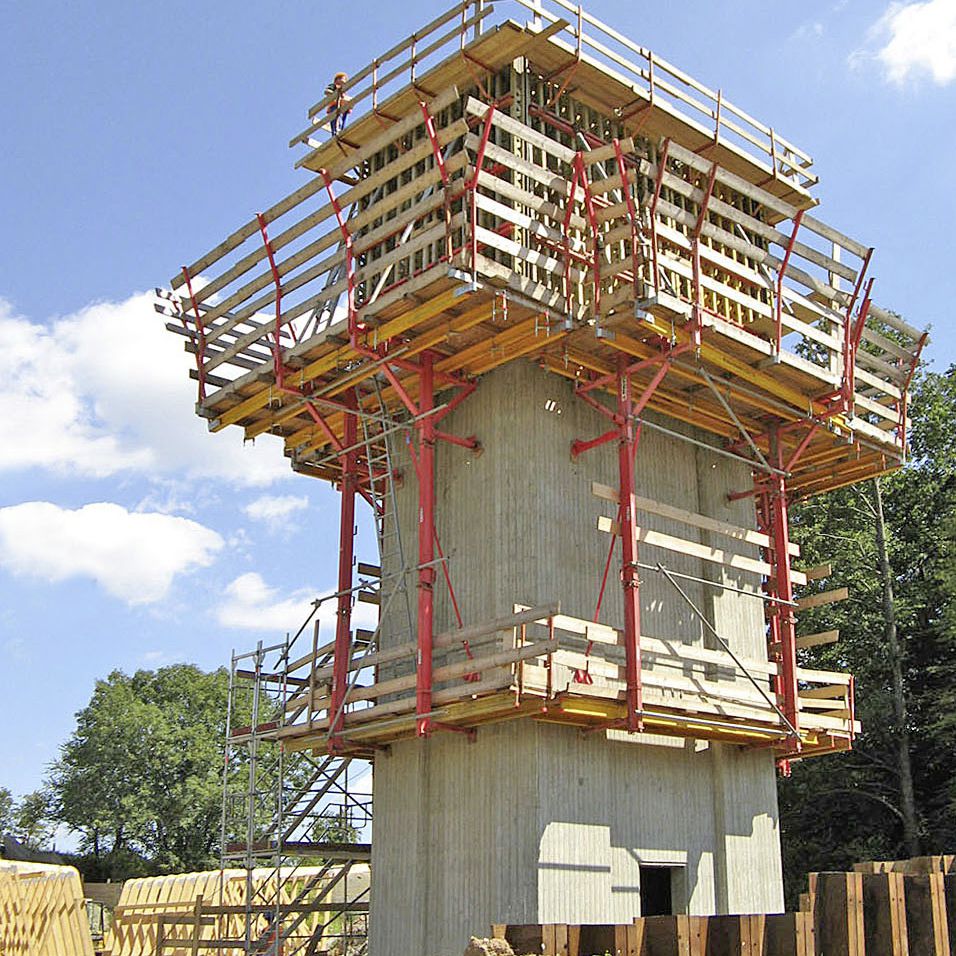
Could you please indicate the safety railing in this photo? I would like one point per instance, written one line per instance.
(541, 654)
(583, 234)
(656, 82)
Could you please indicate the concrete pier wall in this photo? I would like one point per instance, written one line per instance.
(535, 822)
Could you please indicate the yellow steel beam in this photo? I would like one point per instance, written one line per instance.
(326, 363)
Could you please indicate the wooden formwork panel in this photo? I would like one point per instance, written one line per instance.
(42, 912)
(898, 908)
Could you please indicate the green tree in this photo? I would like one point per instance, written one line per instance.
(6, 811)
(33, 823)
(891, 541)
(140, 778)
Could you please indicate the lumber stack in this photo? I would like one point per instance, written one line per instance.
(778, 934)
(42, 912)
(898, 908)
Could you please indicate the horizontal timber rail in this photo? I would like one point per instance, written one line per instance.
(530, 664)
(567, 255)
(566, 38)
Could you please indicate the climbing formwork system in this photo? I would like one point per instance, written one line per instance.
(536, 187)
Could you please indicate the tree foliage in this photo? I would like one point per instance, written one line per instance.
(29, 819)
(140, 778)
(6, 811)
(849, 807)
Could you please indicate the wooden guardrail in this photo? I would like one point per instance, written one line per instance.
(656, 82)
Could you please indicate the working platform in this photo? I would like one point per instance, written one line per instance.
(484, 240)
(548, 193)
(547, 666)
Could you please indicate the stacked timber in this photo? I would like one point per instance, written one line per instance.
(42, 912)
(899, 908)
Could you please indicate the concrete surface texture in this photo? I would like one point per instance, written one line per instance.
(535, 822)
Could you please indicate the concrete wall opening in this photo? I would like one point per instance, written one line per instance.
(660, 890)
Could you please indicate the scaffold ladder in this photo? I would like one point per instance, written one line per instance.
(379, 431)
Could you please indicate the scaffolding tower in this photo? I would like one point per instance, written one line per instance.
(292, 818)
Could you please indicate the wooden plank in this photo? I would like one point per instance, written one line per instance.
(815, 640)
(825, 693)
(458, 669)
(784, 934)
(658, 539)
(925, 900)
(823, 598)
(543, 207)
(521, 166)
(822, 677)
(820, 571)
(838, 914)
(893, 320)
(705, 522)
(884, 915)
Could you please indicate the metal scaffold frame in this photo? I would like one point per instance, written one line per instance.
(291, 818)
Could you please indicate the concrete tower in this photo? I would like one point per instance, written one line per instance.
(560, 315)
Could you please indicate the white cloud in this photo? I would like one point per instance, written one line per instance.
(275, 510)
(160, 658)
(253, 605)
(915, 38)
(104, 391)
(809, 31)
(131, 555)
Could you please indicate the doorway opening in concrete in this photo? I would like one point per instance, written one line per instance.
(658, 889)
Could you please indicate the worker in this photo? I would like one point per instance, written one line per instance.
(269, 943)
(341, 106)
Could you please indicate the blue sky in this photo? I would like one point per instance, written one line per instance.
(137, 135)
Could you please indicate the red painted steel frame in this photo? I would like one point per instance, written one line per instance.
(774, 520)
(343, 619)
(627, 431)
(278, 367)
(627, 446)
(783, 622)
(426, 542)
